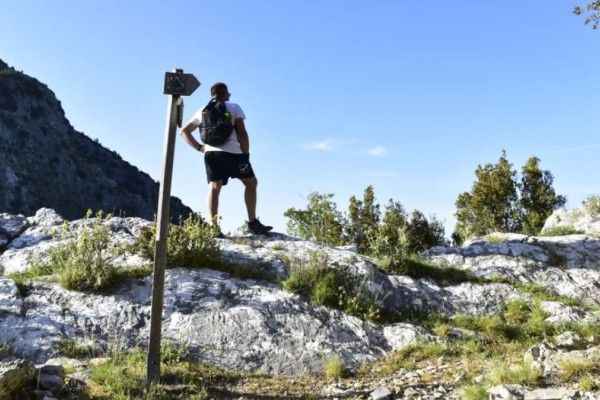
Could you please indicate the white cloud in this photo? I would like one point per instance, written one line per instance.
(325, 145)
(574, 149)
(377, 151)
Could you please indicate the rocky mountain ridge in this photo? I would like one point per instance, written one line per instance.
(45, 162)
(255, 325)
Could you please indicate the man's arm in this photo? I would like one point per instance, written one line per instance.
(240, 128)
(186, 134)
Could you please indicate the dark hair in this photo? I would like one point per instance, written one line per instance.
(218, 90)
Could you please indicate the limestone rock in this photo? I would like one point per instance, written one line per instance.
(578, 219)
(551, 394)
(507, 392)
(570, 341)
(15, 375)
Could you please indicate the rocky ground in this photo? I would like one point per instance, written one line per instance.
(277, 340)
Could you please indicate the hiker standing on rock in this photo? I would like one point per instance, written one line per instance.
(226, 151)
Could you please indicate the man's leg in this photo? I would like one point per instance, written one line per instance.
(250, 196)
(212, 199)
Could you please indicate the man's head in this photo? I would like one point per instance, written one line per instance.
(219, 91)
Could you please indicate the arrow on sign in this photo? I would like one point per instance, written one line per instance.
(178, 83)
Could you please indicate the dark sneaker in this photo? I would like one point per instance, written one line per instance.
(257, 228)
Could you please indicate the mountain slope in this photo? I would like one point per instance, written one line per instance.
(45, 162)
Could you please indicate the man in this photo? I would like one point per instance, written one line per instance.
(229, 160)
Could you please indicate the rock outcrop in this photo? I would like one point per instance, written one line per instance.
(45, 162)
(255, 325)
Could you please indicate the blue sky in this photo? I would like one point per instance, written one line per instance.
(407, 96)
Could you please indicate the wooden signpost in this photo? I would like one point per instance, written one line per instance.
(176, 84)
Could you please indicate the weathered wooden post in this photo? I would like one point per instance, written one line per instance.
(176, 84)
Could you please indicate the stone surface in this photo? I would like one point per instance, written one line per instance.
(15, 375)
(577, 219)
(255, 325)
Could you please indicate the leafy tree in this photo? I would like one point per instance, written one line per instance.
(363, 219)
(491, 204)
(499, 203)
(394, 220)
(320, 221)
(389, 241)
(538, 198)
(423, 234)
(593, 10)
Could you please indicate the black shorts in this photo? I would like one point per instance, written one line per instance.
(221, 165)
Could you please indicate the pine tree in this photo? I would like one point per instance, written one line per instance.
(363, 219)
(498, 203)
(491, 206)
(538, 198)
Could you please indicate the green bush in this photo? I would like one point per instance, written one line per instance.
(562, 231)
(520, 374)
(592, 205)
(499, 202)
(320, 221)
(413, 266)
(333, 367)
(334, 287)
(84, 258)
(191, 243)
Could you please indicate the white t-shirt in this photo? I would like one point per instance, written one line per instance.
(232, 145)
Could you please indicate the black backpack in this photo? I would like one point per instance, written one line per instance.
(217, 123)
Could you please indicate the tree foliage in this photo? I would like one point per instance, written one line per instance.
(363, 219)
(491, 204)
(498, 202)
(538, 198)
(320, 221)
(593, 13)
(395, 235)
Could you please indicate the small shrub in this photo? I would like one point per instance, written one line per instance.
(71, 349)
(562, 231)
(84, 258)
(191, 243)
(517, 311)
(588, 383)
(494, 239)
(520, 374)
(572, 368)
(592, 205)
(333, 367)
(474, 392)
(334, 287)
(493, 327)
(417, 268)
(278, 246)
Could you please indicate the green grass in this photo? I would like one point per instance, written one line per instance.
(190, 244)
(82, 259)
(494, 239)
(417, 268)
(520, 373)
(571, 369)
(333, 367)
(334, 287)
(123, 376)
(561, 231)
(474, 392)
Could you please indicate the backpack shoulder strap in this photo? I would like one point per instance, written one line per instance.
(211, 104)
